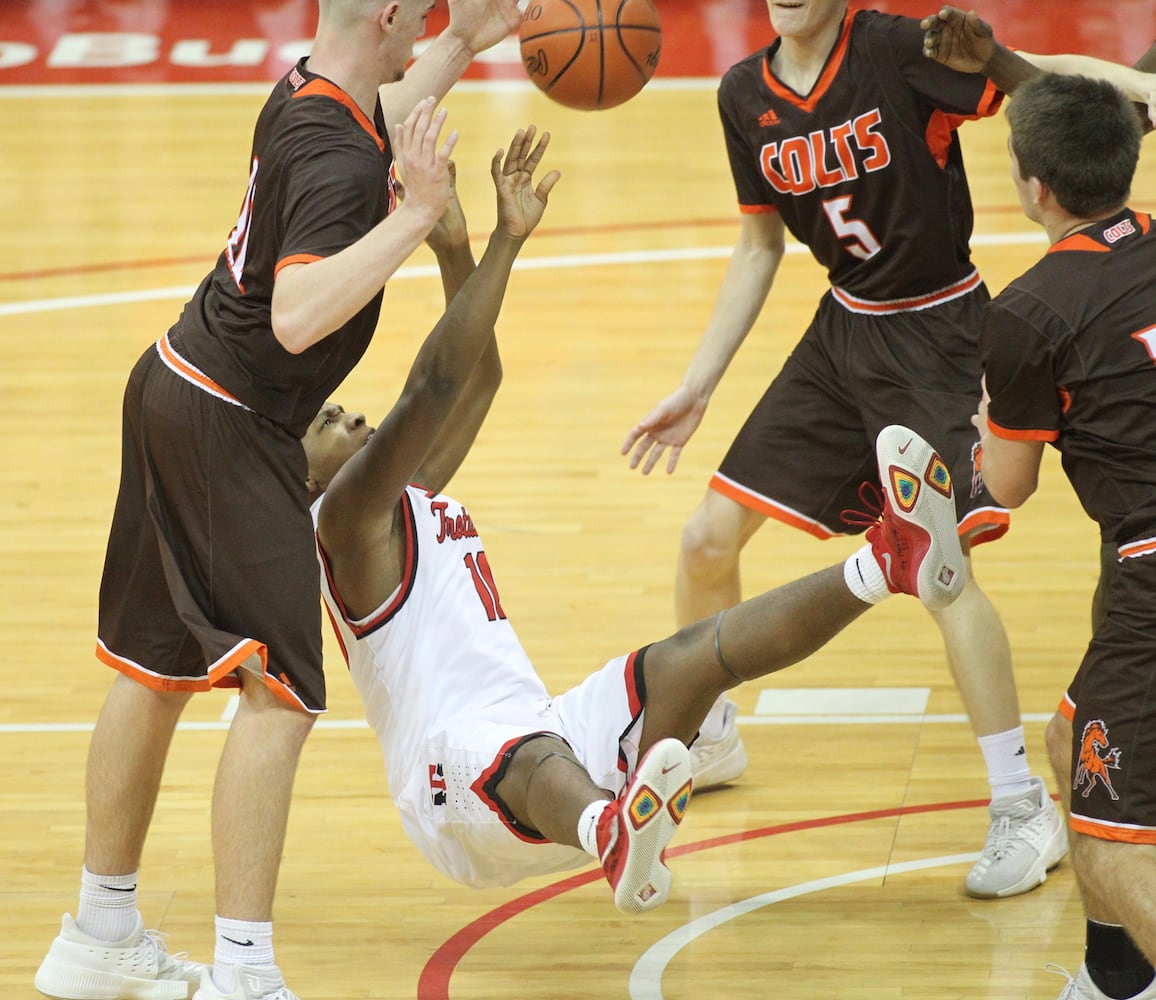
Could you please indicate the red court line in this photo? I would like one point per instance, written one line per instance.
(434, 983)
(616, 227)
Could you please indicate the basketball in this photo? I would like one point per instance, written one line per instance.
(590, 54)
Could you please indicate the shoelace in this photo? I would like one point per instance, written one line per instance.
(1002, 842)
(1072, 990)
(154, 943)
(871, 497)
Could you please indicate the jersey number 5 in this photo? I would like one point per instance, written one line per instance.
(863, 243)
(484, 584)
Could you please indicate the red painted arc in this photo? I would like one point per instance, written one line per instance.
(434, 983)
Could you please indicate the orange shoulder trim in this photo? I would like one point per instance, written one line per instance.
(323, 88)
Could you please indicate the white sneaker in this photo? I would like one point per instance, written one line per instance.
(715, 762)
(1082, 987)
(79, 967)
(1026, 839)
(253, 983)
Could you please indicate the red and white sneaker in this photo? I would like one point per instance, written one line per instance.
(916, 541)
(634, 830)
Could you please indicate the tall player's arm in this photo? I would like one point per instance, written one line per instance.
(748, 280)
(475, 25)
(355, 524)
(312, 300)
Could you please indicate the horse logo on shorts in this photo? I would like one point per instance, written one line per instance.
(1093, 765)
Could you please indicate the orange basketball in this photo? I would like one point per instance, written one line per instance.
(590, 54)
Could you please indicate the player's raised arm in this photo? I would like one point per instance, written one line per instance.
(361, 498)
(965, 42)
(475, 25)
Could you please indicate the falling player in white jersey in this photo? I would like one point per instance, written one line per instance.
(495, 780)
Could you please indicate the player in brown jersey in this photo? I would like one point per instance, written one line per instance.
(821, 128)
(210, 569)
(1069, 355)
(1051, 343)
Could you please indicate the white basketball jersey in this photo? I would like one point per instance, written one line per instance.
(439, 650)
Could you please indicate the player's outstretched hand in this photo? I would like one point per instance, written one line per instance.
(479, 24)
(520, 203)
(669, 425)
(423, 159)
(962, 41)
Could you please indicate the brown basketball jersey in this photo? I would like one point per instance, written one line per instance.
(1069, 353)
(320, 177)
(866, 169)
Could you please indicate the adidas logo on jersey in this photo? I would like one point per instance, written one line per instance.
(768, 118)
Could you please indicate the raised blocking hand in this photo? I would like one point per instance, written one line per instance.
(520, 203)
(964, 42)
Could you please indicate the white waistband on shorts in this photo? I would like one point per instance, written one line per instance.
(911, 304)
(191, 373)
(1140, 547)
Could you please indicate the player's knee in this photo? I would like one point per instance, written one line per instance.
(709, 543)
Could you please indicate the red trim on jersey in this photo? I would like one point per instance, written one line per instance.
(942, 126)
(834, 61)
(296, 258)
(758, 209)
(989, 102)
(323, 88)
(336, 630)
(911, 304)
(1067, 708)
(408, 576)
(494, 773)
(1145, 221)
(634, 681)
(1012, 435)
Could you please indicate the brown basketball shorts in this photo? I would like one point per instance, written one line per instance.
(211, 561)
(810, 441)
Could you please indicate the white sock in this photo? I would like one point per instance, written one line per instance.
(107, 909)
(240, 942)
(588, 826)
(1006, 757)
(864, 577)
(715, 721)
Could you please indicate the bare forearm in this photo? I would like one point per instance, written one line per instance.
(1010, 469)
(740, 299)
(1134, 84)
(1007, 69)
(452, 350)
(311, 301)
(431, 75)
(456, 264)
